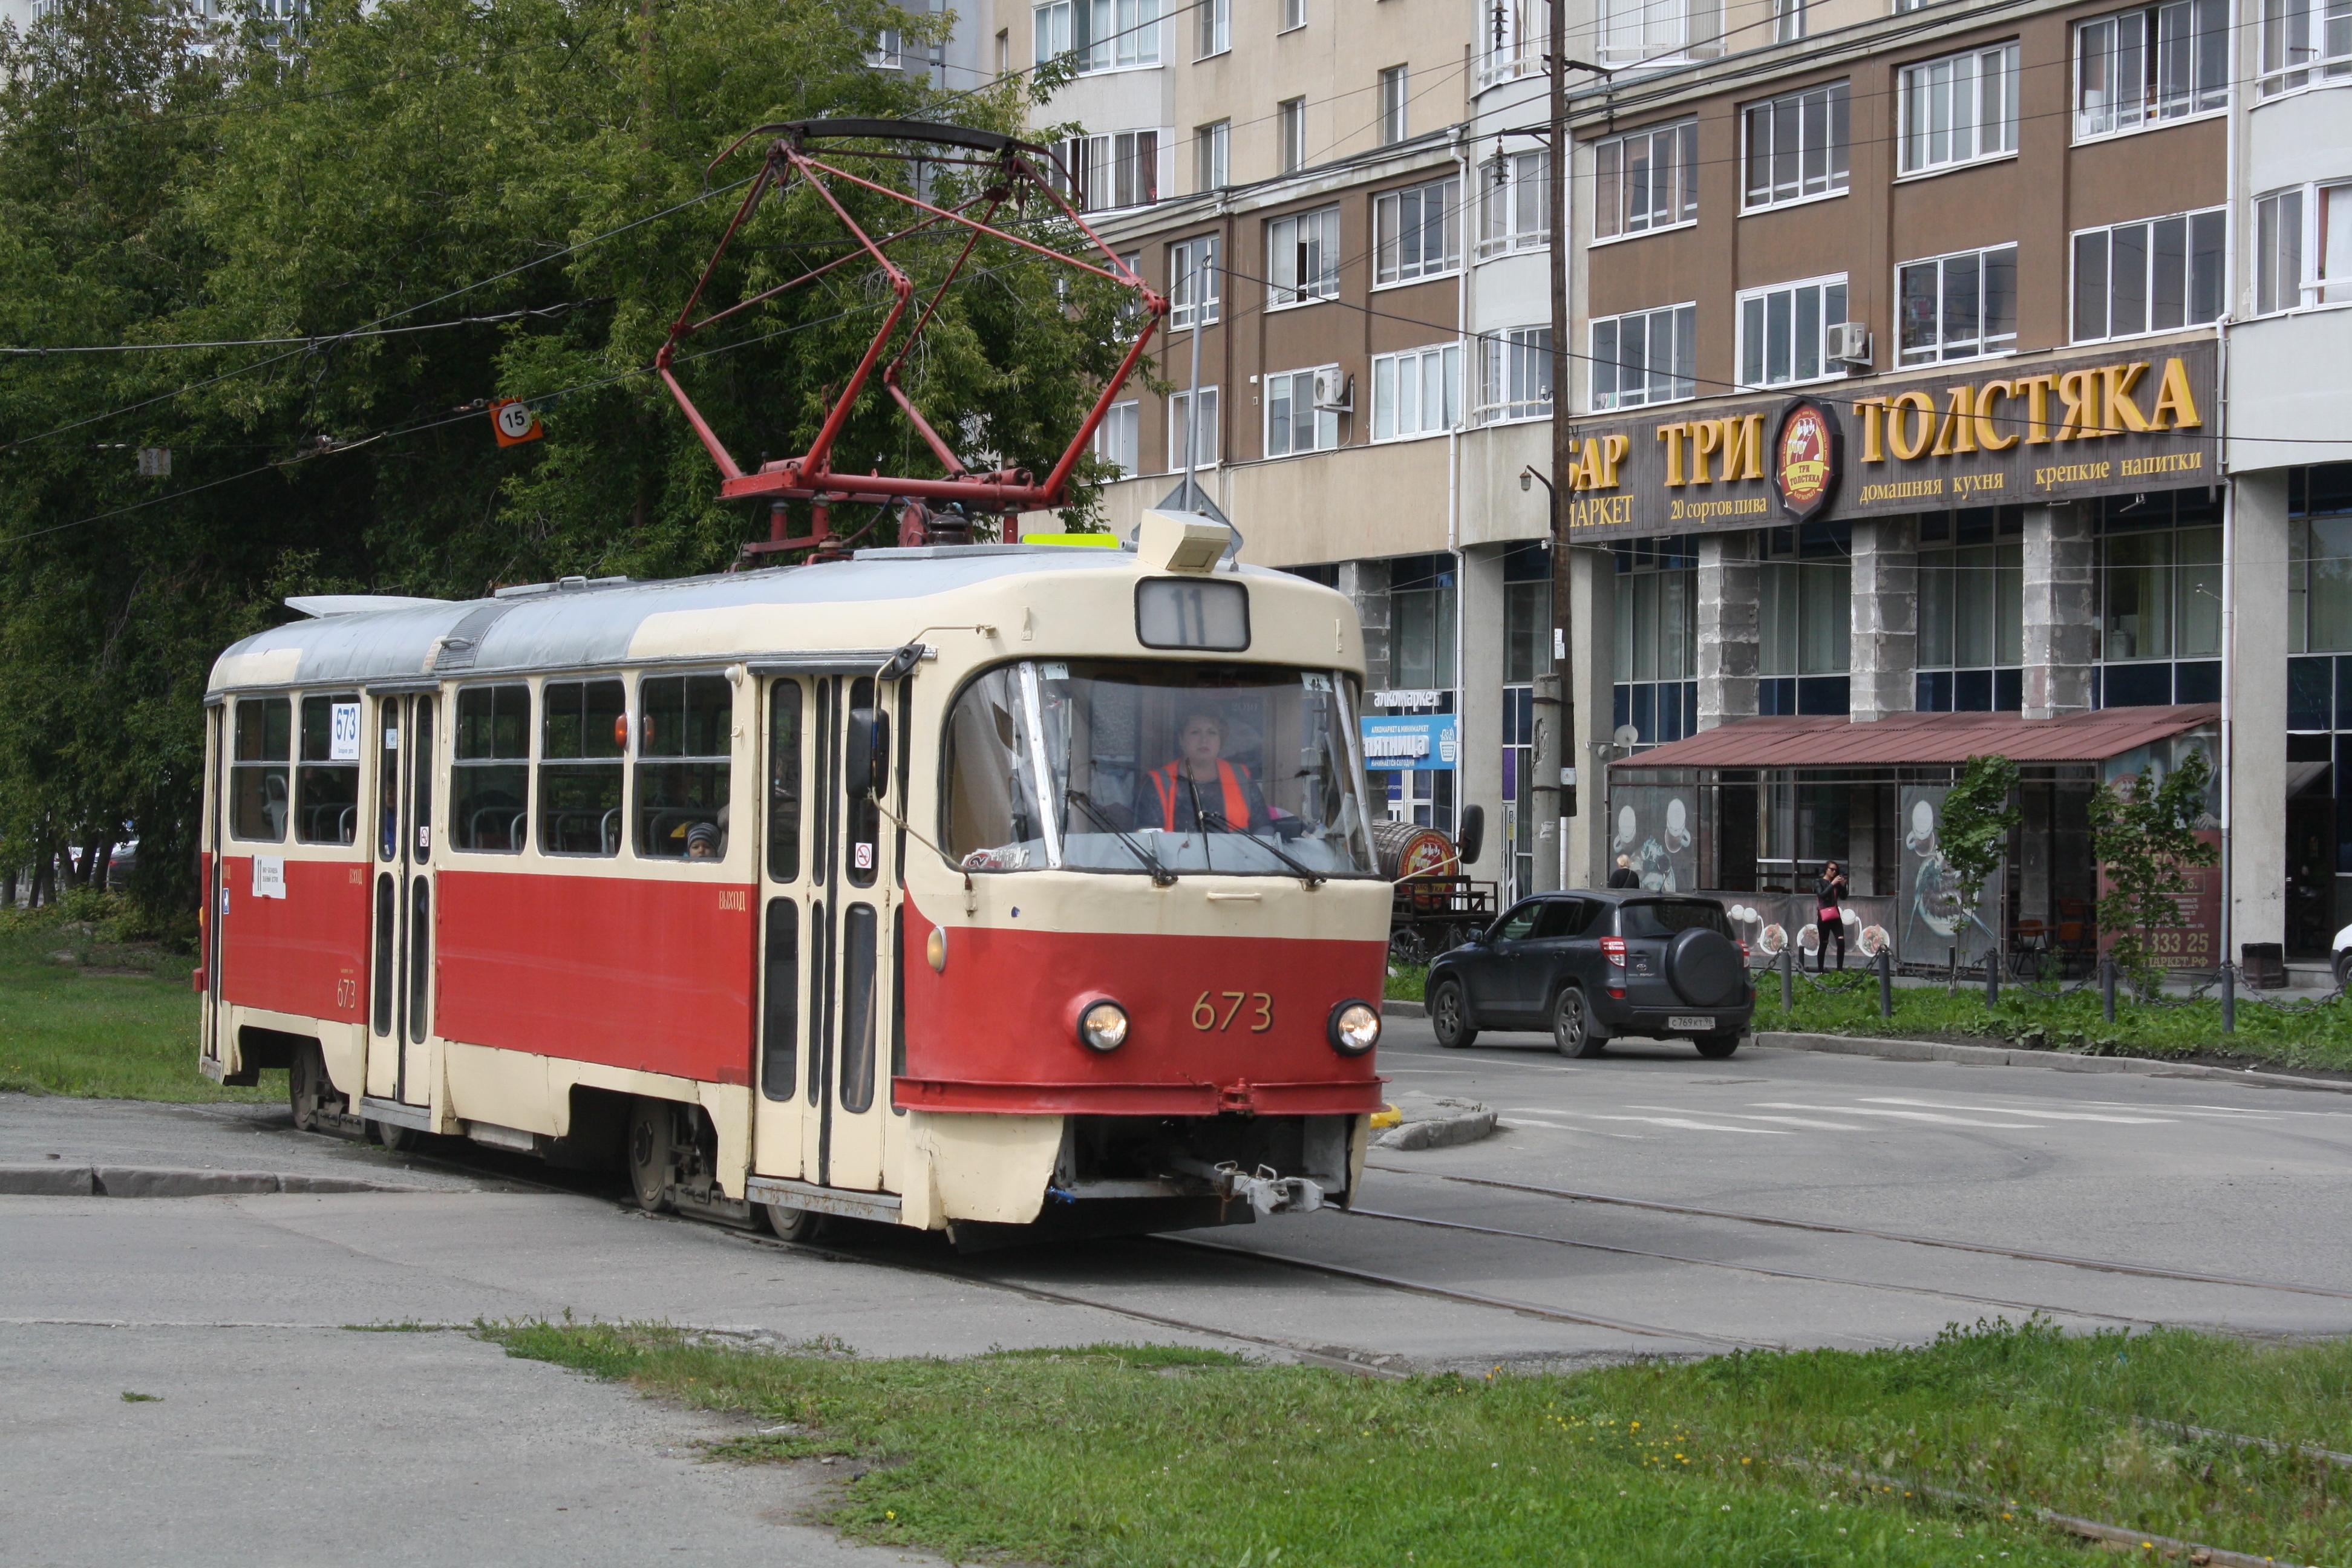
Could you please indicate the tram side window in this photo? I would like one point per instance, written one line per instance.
(686, 738)
(582, 726)
(327, 785)
(258, 797)
(490, 775)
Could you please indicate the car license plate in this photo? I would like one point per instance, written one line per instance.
(1686, 1021)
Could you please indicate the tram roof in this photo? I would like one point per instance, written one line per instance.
(578, 623)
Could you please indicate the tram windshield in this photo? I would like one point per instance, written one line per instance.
(1127, 765)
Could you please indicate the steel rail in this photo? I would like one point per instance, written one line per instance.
(1757, 1269)
(2097, 1264)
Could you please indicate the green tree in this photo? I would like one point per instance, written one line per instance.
(1979, 817)
(455, 169)
(2144, 831)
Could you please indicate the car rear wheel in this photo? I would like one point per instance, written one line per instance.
(2344, 970)
(1572, 1028)
(1449, 1014)
(1715, 1047)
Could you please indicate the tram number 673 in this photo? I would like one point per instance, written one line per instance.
(1260, 1003)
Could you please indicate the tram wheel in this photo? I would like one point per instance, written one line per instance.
(306, 1086)
(652, 1152)
(393, 1137)
(791, 1224)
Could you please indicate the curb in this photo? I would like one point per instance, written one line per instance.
(59, 1181)
(1405, 1009)
(2017, 1056)
(1445, 1132)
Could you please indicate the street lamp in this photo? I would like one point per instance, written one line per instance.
(1530, 473)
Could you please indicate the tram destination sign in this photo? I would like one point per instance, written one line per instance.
(2029, 429)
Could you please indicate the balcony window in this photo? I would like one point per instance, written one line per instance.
(1417, 232)
(2143, 66)
(1959, 110)
(1515, 203)
(1648, 356)
(1798, 145)
(2148, 277)
(1958, 306)
(1645, 181)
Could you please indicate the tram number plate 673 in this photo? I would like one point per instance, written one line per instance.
(1214, 1011)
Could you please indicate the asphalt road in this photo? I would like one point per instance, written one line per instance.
(1644, 1202)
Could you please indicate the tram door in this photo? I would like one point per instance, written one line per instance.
(400, 969)
(216, 879)
(827, 923)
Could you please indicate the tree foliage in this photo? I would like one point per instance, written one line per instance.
(2144, 831)
(1979, 817)
(450, 200)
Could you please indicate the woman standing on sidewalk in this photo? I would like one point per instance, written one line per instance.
(1830, 911)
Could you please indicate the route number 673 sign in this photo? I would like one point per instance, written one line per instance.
(515, 423)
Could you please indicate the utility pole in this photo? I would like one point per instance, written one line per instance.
(1556, 755)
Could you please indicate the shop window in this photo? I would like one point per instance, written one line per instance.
(2159, 599)
(1971, 613)
(258, 803)
(490, 773)
(1804, 620)
(1423, 610)
(2149, 277)
(1657, 666)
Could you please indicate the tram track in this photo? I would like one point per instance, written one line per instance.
(1991, 1249)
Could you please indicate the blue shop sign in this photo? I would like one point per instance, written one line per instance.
(1398, 742)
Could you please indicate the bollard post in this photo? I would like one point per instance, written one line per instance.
(1788, 980)
(2228, 997)
(1992, 977)
(2107, 987)
(1886, 982)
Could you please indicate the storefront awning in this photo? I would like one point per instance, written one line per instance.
(1925, 740)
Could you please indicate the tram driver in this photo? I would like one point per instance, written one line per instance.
(1201, 782)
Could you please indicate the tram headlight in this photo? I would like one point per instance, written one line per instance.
(1102, 1027)
(1355, 1028)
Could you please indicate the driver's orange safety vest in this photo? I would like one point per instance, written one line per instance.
(1231, 779)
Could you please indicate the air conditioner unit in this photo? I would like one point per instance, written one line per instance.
(1847, 342)
(1335, 391)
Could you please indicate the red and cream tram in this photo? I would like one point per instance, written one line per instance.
(954, 887)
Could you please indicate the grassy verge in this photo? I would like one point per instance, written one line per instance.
(1132, 1457)
(114, 1019)
(2317, 1038)
(1407, 982)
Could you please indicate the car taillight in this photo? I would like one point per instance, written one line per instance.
(1613, 949)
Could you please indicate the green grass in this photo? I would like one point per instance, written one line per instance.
(1407, 982)
(2311, 1037)
(1132, 1457)
(120, 1023)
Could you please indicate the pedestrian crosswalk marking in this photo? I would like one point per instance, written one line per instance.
(1897, 1115)
(2021, 1110)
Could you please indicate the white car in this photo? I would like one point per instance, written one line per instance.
(2343, 959)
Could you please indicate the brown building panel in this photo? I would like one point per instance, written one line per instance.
(2176, 168)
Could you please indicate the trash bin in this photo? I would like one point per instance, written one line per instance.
(2263, 964)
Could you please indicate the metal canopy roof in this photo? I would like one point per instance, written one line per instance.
(1929, 740)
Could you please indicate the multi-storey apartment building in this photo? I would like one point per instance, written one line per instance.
(2014, 269)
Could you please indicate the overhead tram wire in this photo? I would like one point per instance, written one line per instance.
(312, 340)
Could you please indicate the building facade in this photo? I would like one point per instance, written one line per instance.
(2058, 288)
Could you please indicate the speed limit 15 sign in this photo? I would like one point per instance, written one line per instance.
(514, 422)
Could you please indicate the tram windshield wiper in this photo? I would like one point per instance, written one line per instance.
(1306, 873)
(1161, 877)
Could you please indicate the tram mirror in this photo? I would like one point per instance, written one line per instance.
(865, 758)
(1472, 838)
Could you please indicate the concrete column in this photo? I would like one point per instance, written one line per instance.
(1592, 598)
(1367, 584)
(2061, 611)
(1478, 777)
(2259, 622)
(1884, 660)
(1728, 585)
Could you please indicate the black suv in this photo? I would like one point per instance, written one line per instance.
(1592, 965)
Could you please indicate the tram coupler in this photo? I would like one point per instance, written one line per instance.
(1265, 1192)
